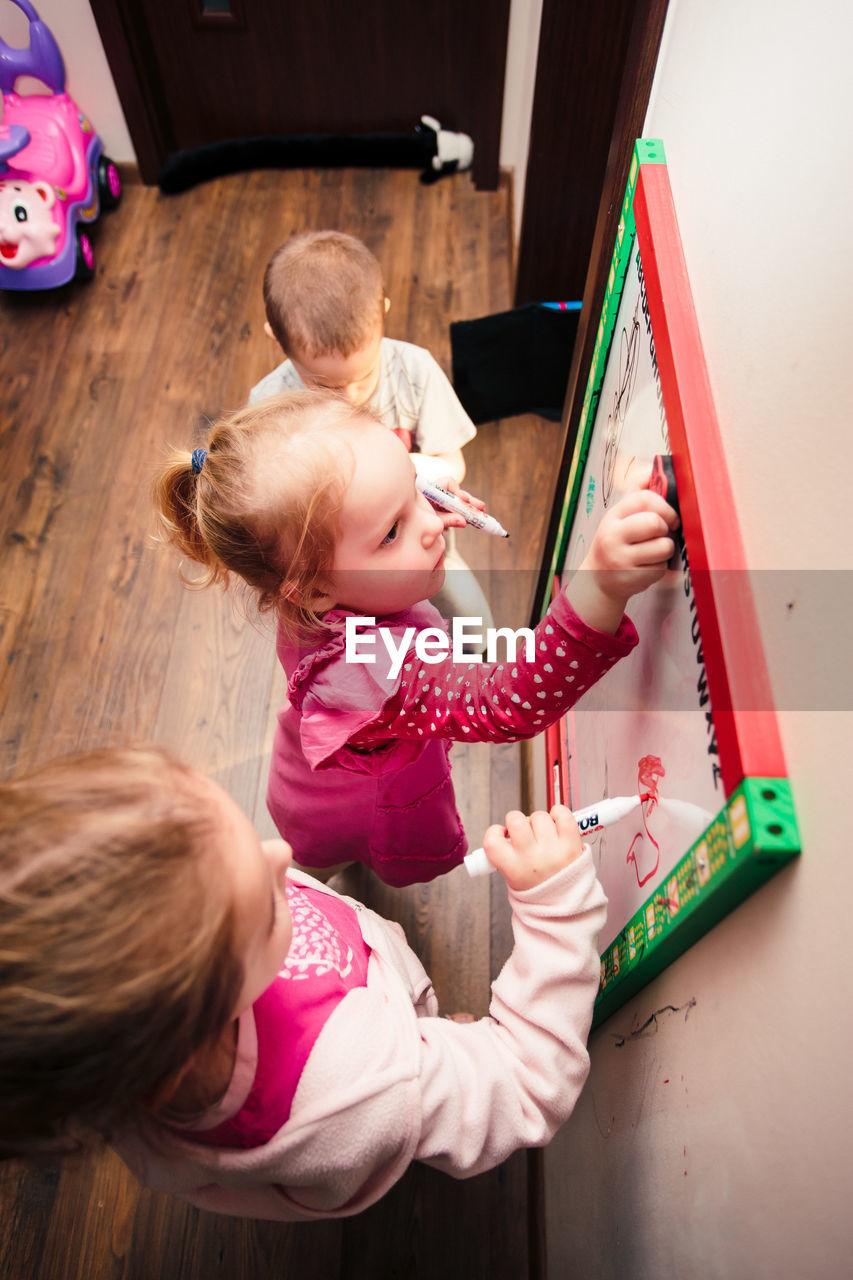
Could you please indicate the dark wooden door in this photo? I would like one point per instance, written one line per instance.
(190, 72)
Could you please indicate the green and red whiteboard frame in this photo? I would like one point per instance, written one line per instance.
(755, 832)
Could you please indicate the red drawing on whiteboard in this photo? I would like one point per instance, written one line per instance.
(649, 771)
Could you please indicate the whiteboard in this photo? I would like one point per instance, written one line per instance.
(645, 726)
(687, 719)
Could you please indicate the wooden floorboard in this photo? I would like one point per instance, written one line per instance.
(101, 643)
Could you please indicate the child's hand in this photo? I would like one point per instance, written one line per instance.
(528, 851)
(452, 486)
(452, 519)
(629, 552)
(632, 544)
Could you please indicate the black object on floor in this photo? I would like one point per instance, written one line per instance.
(514, 362)
(428, 147)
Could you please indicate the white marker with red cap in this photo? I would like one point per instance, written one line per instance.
(590, 819)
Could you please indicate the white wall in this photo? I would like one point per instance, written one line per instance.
(718, 1144)
(88, 77)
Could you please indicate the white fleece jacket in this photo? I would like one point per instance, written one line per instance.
(388, 1081)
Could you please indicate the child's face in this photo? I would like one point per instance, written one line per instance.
(354, 377)
(390, 553)
(258, 871)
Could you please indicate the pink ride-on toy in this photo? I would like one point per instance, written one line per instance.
(54, 177)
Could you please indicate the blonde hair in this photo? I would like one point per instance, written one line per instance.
(323, 294)
(266, 503)
(117, 956)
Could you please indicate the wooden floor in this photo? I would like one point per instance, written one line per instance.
(100, 643)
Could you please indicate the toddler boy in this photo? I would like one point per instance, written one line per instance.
(326, 305)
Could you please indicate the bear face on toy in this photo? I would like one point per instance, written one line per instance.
(54, 177)
(27, 228)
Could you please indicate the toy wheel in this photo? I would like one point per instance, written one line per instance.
(84, 267)
(109, 183)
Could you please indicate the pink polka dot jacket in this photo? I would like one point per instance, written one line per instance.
(360, 768)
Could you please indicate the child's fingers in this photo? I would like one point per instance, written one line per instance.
(471, 500)
(567, 828)
(636, 540)
(644, 546)
(542, 825)
(499, 848)
(647, 540)
(497, 837)
(495, 833)
(564, 821)
(643, 525)
(528, 851)
(645, 500)
(495, 845)
(452, 519)
(519, 830)
(451, 484)
(654, 551)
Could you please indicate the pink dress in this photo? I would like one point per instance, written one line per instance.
(360, 768)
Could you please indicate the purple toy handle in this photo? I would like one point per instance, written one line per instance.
(41, 58)
(13, 138)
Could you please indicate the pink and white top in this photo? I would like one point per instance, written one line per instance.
(388, 1081)
(327, 959)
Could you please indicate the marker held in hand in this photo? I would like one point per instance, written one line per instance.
(590, 819)
(443, 498)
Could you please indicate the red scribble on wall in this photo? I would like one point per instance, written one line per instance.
(649, 771)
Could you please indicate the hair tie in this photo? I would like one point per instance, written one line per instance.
(198, 458)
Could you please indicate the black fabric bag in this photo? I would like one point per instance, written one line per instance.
(514, 362)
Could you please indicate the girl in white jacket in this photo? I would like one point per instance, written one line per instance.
(246, 1038)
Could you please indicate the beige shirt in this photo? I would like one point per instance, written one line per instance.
(413, 392)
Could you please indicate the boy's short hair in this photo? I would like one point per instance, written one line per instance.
(324, 294)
